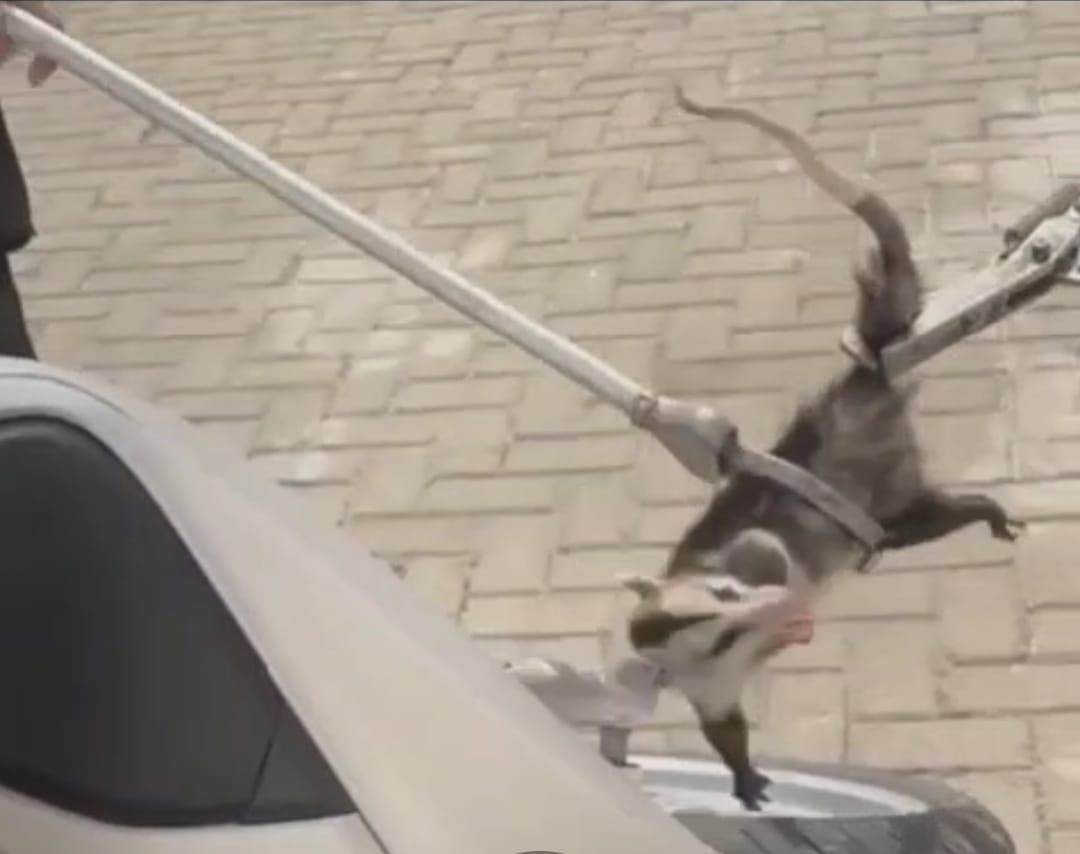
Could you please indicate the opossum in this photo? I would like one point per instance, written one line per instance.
(740, 584)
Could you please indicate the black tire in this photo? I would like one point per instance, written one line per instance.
(948, 822)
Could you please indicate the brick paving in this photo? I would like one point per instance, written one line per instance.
(535, 148)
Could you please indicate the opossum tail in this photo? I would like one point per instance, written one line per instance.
(889, 287)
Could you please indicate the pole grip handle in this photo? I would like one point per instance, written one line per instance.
(1053, 205)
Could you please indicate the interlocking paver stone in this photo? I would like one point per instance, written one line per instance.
(537, 150)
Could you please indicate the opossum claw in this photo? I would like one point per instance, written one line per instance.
(1009, 529)
(749, 789)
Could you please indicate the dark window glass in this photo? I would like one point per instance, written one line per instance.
(129, 693)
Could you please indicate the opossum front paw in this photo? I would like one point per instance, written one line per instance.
(750, 788)
(1008, 529)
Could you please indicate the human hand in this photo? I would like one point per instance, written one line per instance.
(41, 67)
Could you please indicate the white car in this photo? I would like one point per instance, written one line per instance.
(191, 664)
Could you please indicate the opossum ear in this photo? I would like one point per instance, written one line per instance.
(642, 585)
(759, 557)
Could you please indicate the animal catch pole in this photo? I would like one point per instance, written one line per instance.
(1040, 252)
(704, 442)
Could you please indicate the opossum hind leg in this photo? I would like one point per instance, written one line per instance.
(936, 514)
(730, 737)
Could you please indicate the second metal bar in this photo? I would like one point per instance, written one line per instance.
(964, 309)
(567, 358)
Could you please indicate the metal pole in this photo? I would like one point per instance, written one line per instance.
(695, 435)
(567, 358)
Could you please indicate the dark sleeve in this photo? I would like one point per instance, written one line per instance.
(16, 223)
